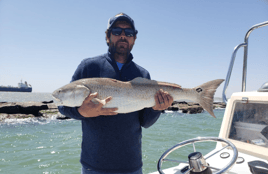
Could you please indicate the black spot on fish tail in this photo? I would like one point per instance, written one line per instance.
(199, 90)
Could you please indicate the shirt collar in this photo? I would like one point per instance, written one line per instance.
(111, 57)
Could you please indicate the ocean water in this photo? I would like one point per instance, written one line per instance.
(51, 146)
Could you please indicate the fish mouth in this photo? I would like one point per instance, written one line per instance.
(56, 100)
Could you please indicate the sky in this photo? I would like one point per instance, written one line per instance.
(187, 42)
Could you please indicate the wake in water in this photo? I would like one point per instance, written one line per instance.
(54, 118)
(32, 120)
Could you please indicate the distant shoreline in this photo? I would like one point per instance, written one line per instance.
(47, 109)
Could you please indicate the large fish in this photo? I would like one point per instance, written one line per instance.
(133, 95)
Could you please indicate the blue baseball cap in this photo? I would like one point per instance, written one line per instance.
(121, 17)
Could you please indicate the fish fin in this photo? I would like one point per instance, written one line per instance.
(169, 84)
(206, 93)
(113, 80)
(140, 80)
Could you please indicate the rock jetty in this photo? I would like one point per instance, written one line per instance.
(192, 108)
(20, 110)
(47, 109)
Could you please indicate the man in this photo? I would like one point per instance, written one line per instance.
(111, 142)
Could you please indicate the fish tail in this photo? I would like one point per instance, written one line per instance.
(206, 93)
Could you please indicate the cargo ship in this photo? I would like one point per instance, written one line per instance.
(22, 87)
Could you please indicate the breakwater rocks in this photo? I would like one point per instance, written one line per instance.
(192, 108)
(17, 110)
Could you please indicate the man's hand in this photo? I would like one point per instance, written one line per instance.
(162, 100)
(90, 109)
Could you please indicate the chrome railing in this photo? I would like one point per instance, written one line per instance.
(245, 45)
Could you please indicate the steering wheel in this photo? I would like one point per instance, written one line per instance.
(196, 160)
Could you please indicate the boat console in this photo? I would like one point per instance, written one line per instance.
(242, 145)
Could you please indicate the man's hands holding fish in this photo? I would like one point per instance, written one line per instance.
(90, 109)
(162, 101)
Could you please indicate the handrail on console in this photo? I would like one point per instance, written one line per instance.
(245, 45)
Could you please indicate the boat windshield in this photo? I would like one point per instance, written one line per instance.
(250, 123)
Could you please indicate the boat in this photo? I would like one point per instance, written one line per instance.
(22, 87)
(242, 144)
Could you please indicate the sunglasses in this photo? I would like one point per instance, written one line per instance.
(129, 32)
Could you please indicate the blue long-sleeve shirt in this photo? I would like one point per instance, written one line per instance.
(112, 143)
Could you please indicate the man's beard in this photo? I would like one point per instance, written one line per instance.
(114, 48)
